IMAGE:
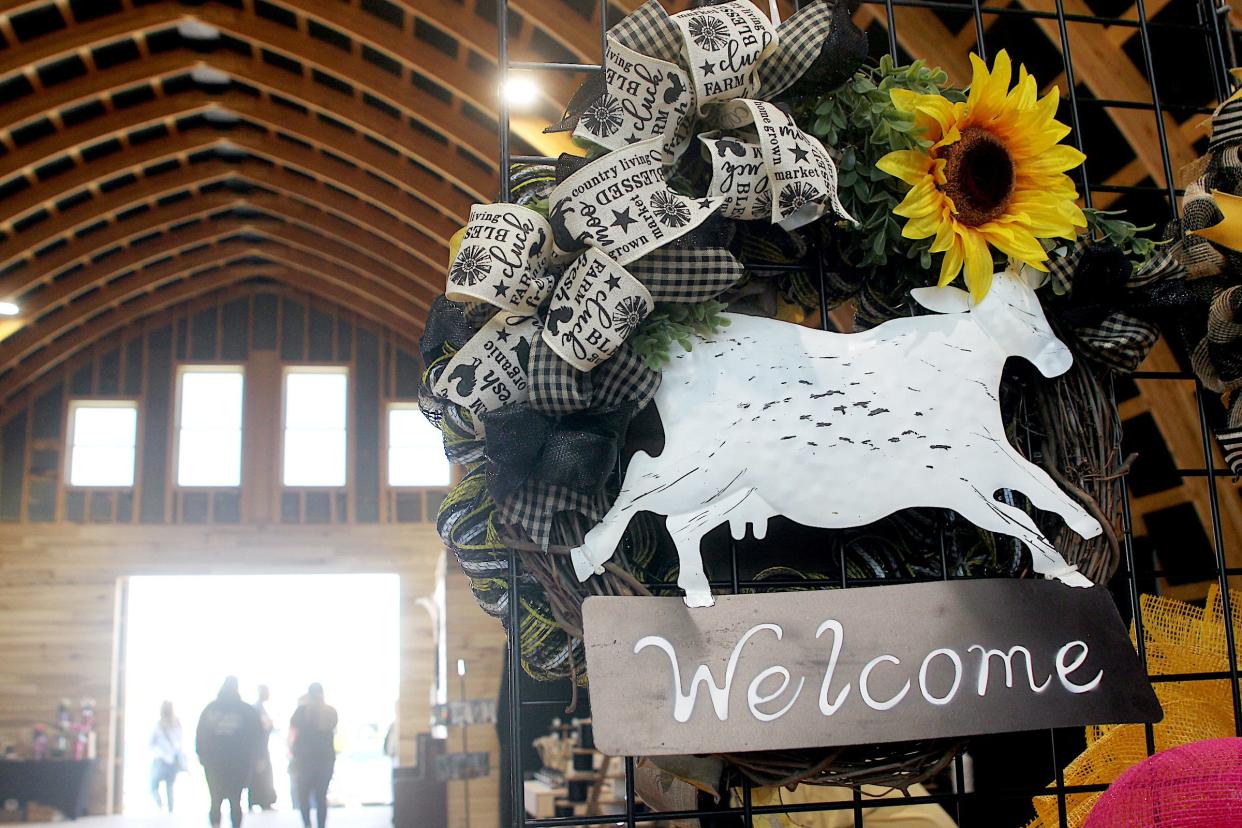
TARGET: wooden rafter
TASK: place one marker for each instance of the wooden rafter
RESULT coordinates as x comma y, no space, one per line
179,146
373,129
188,230
189,182
143,274
419,282
364,77
113,318
173,113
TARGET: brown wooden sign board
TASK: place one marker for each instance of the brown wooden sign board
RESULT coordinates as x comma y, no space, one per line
858,666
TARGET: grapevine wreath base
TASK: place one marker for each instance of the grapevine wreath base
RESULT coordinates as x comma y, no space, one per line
543,397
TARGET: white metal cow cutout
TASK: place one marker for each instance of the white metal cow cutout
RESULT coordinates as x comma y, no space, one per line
835,430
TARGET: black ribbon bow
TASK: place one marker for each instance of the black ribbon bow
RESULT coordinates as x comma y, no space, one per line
577,451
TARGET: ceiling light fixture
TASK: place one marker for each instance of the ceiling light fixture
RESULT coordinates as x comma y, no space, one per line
209,75
194,29
9,309
520,90
227,149
220,115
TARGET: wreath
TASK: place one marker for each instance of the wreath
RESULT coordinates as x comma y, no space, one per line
734,163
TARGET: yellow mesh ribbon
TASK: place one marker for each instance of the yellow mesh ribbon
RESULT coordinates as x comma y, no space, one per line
1180,638
900,816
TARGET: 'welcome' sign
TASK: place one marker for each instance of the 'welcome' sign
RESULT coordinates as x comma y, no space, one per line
857,666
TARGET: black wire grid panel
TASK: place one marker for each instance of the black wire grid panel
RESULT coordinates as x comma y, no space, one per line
1184,51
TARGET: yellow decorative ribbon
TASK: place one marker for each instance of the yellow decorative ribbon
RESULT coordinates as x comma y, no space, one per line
1228,231
1180,638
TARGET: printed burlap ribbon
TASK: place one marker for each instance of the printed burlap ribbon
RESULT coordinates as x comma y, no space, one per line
668,78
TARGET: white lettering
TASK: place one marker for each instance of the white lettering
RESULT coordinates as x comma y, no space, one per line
1063,669
866,693
985,661
838,638
957,675
684,705
753,699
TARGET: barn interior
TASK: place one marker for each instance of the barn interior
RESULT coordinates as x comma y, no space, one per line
222,223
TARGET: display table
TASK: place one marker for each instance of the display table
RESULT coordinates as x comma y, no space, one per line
62,784
541,798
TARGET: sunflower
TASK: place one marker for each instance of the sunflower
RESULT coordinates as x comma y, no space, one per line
993,175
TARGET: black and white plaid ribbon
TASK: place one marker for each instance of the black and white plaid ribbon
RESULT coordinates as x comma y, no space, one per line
1111,310
1216,275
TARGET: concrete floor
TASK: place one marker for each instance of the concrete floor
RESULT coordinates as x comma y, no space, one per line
371,817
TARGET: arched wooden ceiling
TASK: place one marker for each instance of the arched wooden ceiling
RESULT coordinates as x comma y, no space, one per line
156,149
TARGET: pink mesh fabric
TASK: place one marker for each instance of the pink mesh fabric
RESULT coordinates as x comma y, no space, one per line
1198,785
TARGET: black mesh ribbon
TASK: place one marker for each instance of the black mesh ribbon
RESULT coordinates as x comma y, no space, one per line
819,47
577,452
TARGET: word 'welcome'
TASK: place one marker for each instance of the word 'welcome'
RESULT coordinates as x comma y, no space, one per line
1068,659
857,666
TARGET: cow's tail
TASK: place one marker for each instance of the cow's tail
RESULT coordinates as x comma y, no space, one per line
599,544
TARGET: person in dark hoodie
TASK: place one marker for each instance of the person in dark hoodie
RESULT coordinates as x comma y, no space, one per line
228,742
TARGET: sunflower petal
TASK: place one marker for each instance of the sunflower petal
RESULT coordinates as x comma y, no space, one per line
944,236
978,83
922,200
998,83
904,99
911,166
951,264
978,265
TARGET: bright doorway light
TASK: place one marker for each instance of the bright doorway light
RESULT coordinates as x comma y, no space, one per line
521,90
184,634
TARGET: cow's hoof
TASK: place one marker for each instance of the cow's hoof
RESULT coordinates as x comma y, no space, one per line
1087,526
584,567
1070,576
695,598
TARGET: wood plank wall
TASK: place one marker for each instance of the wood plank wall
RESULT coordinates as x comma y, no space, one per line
478,638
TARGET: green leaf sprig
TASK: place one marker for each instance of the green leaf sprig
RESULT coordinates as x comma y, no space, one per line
676,323
860,121
1104,224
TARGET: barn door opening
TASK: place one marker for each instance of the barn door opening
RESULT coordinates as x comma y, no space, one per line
184,634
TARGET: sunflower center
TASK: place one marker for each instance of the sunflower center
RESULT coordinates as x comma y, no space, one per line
979,175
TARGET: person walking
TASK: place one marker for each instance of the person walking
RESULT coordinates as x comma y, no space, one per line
228,740
167,758
262,790
313,729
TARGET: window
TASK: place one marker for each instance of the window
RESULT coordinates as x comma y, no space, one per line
209,426
315,417
415,449
102,436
